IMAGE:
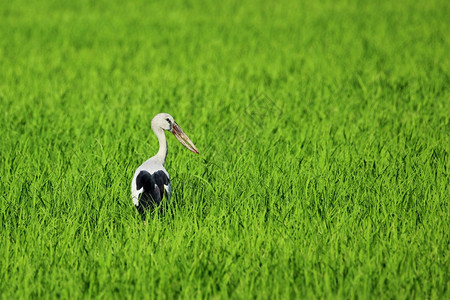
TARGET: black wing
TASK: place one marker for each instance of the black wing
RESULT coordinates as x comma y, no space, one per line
153,192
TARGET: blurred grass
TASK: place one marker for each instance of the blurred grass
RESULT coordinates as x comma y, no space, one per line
323,130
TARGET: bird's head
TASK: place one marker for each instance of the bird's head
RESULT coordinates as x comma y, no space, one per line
165,121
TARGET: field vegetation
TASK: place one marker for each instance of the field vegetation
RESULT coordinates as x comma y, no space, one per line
324,136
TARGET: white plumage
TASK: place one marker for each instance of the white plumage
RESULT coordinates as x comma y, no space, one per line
151,181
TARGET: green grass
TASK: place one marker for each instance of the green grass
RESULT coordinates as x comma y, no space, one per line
324,136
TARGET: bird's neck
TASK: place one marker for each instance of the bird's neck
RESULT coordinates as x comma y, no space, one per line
162,152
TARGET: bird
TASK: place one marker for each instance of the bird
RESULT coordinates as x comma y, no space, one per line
151,181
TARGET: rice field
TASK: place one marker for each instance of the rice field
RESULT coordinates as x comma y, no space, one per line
324,136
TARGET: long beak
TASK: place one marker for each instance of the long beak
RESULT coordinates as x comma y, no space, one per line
183,138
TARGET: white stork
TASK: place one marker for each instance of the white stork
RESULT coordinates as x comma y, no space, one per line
151,180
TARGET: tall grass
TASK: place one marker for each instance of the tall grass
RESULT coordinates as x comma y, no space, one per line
323,131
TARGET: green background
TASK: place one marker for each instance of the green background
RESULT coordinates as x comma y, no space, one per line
323,130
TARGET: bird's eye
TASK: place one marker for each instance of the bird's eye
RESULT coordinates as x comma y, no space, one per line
168,120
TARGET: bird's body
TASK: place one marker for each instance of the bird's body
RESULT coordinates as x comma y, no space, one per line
151,181
150,184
